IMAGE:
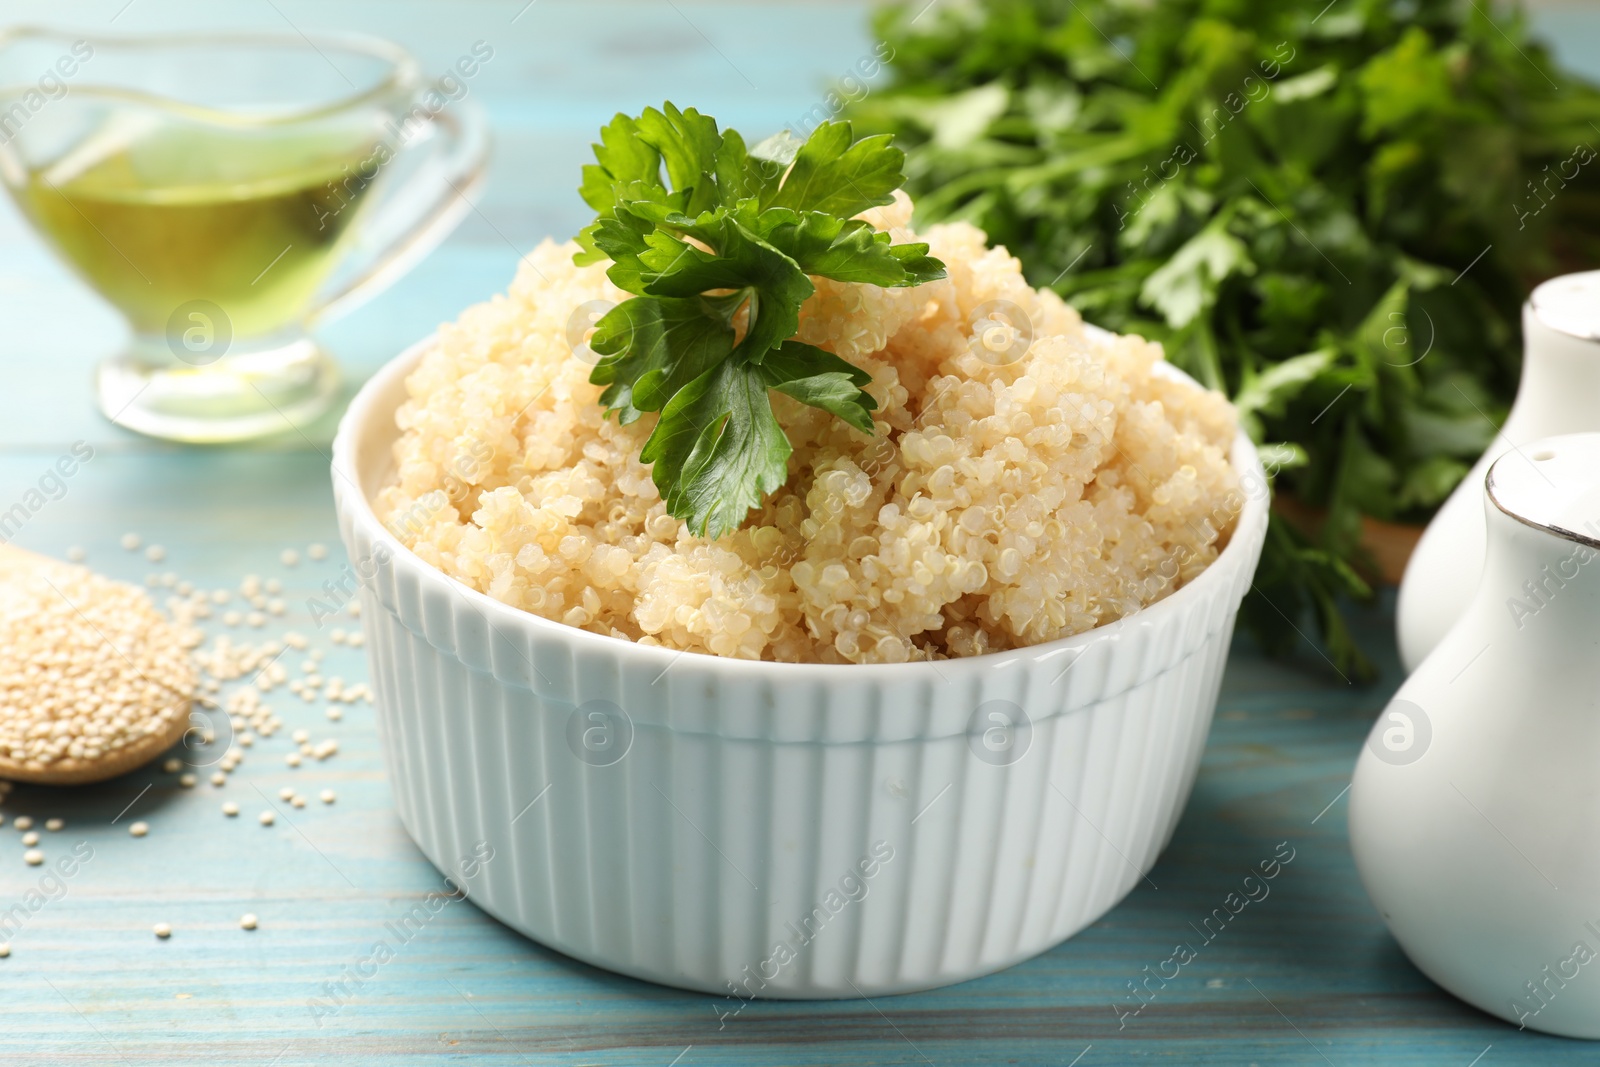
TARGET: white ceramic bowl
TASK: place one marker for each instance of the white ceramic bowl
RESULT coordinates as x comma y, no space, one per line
771,829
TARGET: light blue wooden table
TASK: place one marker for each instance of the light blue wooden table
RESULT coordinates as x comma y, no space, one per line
1307,976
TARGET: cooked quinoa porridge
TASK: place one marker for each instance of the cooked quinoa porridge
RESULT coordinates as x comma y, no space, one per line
1017,490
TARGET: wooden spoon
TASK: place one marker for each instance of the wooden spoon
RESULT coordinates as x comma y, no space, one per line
93,680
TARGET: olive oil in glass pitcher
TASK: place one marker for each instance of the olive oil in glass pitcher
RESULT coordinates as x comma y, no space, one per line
215,189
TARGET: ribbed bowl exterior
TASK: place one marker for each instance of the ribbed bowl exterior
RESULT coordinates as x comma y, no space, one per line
779,830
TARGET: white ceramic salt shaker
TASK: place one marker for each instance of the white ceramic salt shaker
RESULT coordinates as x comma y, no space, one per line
1475,808
1559,393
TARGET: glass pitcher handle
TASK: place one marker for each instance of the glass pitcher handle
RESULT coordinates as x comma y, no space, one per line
417,217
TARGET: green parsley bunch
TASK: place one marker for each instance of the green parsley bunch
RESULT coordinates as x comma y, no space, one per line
718,243
1331,211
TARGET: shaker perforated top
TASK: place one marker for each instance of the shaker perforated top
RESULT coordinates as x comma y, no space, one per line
1552,484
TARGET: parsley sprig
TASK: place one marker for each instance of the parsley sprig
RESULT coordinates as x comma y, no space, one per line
718,243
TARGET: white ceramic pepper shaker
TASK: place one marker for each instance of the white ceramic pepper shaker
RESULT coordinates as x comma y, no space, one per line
1475,812
1559,393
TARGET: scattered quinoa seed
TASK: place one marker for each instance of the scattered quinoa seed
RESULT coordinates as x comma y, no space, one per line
292,759
289,557
5,949
219,779
53,825
298,801
317,551
163,930
248,920
335,714
33,857
155,553
187,780
230,809
327,796
130,541
30,838
76,554
286,792
24,822
139,829
172,766
267,818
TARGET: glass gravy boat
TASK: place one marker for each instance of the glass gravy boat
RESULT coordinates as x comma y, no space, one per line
225,192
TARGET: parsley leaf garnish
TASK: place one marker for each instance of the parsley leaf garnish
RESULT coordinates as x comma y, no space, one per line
718,244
